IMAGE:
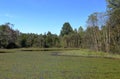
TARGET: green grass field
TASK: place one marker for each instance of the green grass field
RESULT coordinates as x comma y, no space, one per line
73,64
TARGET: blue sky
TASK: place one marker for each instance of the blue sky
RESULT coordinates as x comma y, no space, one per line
40,16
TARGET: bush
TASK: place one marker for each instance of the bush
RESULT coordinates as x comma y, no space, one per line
12,45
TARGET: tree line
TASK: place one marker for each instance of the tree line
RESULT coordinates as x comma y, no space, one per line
102,33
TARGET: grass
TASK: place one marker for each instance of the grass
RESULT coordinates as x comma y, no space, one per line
66,65
7,51
89,53
48,49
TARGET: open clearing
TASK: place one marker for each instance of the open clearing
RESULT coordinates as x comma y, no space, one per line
49,65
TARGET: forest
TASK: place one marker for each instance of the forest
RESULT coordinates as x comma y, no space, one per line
102,34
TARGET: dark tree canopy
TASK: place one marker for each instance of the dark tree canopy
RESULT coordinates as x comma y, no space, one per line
7,35
66,29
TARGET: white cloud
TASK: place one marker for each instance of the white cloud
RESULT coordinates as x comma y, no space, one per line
7,15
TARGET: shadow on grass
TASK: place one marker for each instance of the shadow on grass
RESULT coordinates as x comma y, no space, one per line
87,56
6,51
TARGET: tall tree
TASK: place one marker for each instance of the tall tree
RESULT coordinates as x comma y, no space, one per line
66,29
81,34
93,23
7,35
114,24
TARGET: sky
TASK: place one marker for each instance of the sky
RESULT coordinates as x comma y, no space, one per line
40,16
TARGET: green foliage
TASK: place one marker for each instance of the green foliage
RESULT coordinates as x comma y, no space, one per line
114,25
7,35
42,41
113,5
92,20
66,29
